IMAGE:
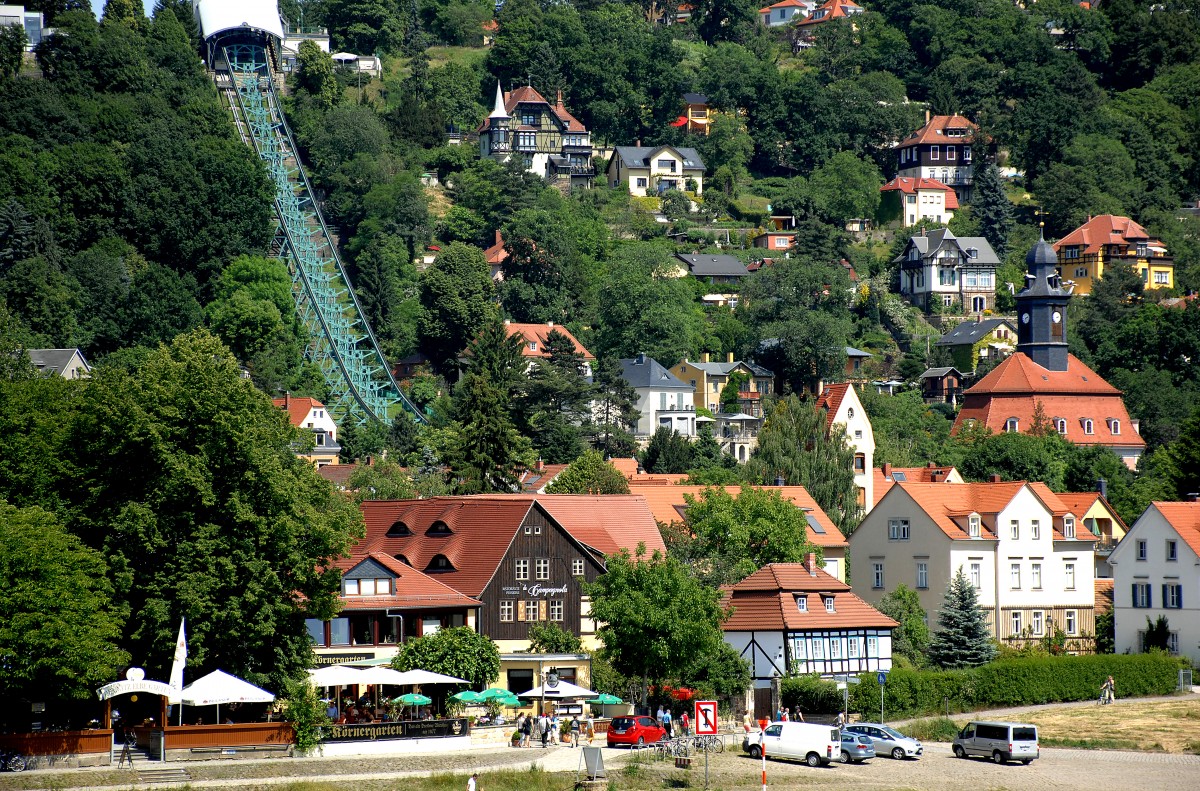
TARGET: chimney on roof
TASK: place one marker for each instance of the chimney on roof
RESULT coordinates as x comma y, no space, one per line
926,115
549,323
887,469
637,143
930,465
498,239
640,359
993,478
1102,487
539,465
728,357
705,356
507,322
558,100
779,480
936,476
810,563
640,469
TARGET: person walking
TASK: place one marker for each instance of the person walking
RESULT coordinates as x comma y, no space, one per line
471,784
685,723
575,725
555,727
746,722
841,720
658,717
544,721
666,723
591,726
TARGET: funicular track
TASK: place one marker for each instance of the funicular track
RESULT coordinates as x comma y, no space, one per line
340,341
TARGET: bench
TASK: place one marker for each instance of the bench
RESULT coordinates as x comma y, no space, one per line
252,748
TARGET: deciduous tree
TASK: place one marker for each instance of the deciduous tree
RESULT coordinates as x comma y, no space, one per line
589,474
460,652
911,639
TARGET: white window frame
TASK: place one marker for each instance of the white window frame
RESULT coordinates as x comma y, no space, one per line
1014,527
829,605
1172,550
541,568
872,646
973,523
507,611
877,568
975,574
922,574
1014,580
1172,596
802,603
521,569
556,610
577,567
1012,426
1038,622
1071,621
1035,576
1142,596
934,153
852,647
349,587
835,648
1069,576
1069,527
1035,528
1089,427
1017,622
899,529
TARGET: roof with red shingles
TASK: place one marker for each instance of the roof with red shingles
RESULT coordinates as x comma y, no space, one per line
1184,518
836,9
1101,231
537,333
1080,503
949,506
782,4
497,253
297,407
608,523
412,588
526,94
767,601
831,399
934,131
1104,594
667,504
911,186
926,474
1015,386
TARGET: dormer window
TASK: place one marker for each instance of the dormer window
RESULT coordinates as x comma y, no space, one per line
1060,425
1069,526
402,559
533,346
1012,426
439,563
439,528
398,529
829,604
802,603
973,526
1088,427
1114,425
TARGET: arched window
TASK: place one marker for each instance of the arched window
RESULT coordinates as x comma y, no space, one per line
439,563
1088,427
397,529
1012,425
973,526
439,528
1060,425
1114,425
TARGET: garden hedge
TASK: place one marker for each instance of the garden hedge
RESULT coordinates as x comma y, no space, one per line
1015,682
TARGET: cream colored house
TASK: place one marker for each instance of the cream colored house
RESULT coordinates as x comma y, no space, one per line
843,408
652,171
1028,556
1156,569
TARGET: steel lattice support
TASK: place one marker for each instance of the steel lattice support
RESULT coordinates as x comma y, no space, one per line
340,341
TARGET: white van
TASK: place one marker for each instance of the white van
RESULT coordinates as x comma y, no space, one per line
816,745
1000,741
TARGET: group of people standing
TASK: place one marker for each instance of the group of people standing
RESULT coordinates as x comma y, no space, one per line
667,722
547,729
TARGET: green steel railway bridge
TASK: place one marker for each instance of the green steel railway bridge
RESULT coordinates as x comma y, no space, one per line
242,47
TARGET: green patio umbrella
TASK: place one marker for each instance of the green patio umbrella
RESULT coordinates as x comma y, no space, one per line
493,692
508,699
466,696
605,699
413,699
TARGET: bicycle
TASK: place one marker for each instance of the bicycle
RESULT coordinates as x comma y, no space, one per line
11,761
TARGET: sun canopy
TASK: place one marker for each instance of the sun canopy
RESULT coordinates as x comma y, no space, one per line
561,691
217,16
219,687
345,56
335,676
426,677
381,675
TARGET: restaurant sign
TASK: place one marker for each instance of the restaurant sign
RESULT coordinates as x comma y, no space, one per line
535,590
417,729
341,659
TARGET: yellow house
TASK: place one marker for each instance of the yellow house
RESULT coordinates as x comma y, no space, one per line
1098,516
1085,251
709,379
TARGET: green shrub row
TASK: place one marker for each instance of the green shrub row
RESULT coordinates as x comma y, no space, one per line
1015,682
811,695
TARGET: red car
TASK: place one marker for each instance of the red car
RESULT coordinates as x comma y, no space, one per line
634,730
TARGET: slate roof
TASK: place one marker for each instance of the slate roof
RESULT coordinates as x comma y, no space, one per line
640,156
667,504
709,265
723,368
1101,230
910,186
412,589
852,352
929,243
971,332
645,371
767,601
934,131
938,373
694,98
55,360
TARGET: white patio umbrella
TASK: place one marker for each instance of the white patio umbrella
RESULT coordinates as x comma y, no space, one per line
345,57
336,676
564,690
426,677
219,687
381,675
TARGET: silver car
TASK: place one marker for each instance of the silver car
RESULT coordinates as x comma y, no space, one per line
888,741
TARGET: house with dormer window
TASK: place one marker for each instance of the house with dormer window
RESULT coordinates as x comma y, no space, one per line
544,137
648,172
829,11
1105,239
795,618
1021,548
785,12
1156,572
309,414
941,150
939,269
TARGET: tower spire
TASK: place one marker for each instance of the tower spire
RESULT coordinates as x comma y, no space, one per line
498,110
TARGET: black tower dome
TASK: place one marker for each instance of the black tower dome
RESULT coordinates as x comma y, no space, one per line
1042,310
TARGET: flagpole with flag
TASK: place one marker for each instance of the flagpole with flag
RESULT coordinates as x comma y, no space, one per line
176,681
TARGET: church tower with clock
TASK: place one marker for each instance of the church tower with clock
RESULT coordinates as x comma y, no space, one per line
1042,310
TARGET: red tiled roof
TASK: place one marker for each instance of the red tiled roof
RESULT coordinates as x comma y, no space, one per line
830,400
934,131
1079,503
527,95
413,589
496,254
1185,518
1104,229
666,503
1104,594
337,474
910,186
297,407
606,522
782,4
1059,507
766,600
535,479
949,506
1015,386
910,474
836,8
538,333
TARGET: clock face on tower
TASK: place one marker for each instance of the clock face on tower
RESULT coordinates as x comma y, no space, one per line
1024,318
1056,317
